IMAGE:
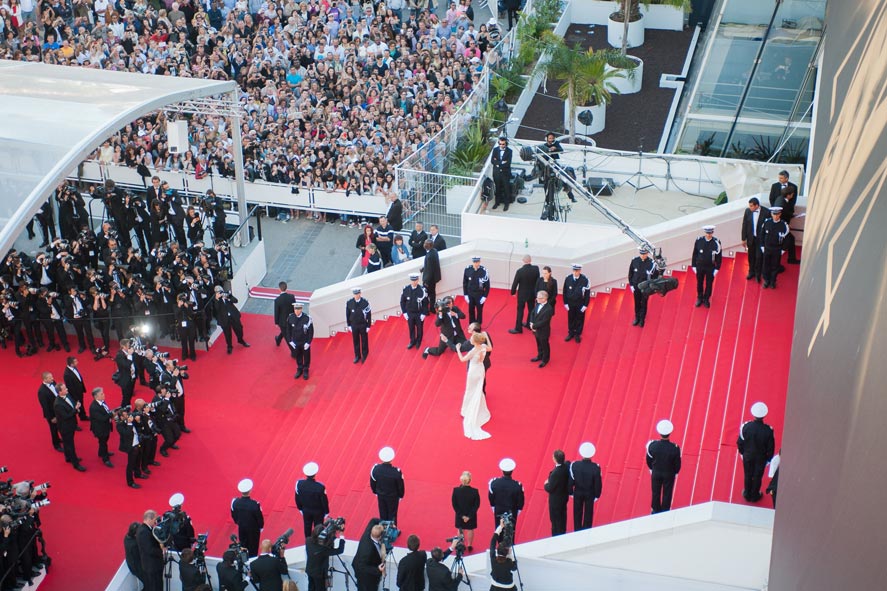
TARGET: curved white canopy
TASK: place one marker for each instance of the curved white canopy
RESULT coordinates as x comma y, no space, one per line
52,117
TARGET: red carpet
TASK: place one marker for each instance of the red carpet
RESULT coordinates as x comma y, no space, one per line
702,368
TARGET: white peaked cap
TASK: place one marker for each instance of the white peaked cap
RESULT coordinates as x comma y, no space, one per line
507,465
586,450
245,485
176,500
386,454
310,469
664,427
759,410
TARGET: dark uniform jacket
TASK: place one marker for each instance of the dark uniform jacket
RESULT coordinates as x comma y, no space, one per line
99,419
706,254
773,233
387,481
299,329
411,571
585,479
663,457
558,485
640,270
576,291
414,300
501,160
476,282
431,270
283,307
358,313
268,571
247,514
506,494
756,440
524,283
311,497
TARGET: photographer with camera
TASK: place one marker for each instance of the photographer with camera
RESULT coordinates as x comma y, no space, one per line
166,419
230,577
100,420
130,444
318,550
441,578
148,432
502,562
228,317
50,313
66,418
185,326
411,568
189,574
125,376
247,514
451,333
268,569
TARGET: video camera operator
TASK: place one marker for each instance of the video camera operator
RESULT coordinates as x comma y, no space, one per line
319,548
230,579
20,529
268,569
189,574
440,578
369,559
502,563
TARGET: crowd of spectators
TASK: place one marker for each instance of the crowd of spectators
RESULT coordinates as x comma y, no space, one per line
335,93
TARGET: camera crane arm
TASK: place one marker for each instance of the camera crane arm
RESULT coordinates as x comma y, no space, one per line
529,153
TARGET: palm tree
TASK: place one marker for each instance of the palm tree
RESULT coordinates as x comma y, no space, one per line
585,78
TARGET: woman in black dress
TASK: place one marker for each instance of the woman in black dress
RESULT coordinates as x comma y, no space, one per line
466,502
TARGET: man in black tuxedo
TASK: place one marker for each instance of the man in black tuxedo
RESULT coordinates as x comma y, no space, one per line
283,305
228,317
267,570
524,285
540,324
417,241
46,395
752,222
501,161
154,190
77,313
66,419
437,241
100,423
369,559
431,271
784,194
411,568
126,371
777,187
451,333
130,444
557,487
151,553
76,388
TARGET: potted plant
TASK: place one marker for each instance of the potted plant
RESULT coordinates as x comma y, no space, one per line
629,70
625,27
586,83
666,14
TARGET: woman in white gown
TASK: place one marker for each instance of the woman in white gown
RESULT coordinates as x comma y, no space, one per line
474,404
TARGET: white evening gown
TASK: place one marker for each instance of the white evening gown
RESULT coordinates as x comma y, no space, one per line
474,404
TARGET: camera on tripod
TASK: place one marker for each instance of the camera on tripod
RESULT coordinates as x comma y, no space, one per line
390,533
328,534
241,555
459,545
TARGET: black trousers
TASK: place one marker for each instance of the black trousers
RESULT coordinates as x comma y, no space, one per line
640,304
442,346
501,183
55,327
583,511
417,328
317,583
234,325
543,348
754,473
303,357
475,309
133,464
68,445
788,245
310,521
755,258
127,389
521,305
388,508
575,320
361,341
83,328
367,583
705,279
54,433
663,487
103,447
557,513
431,288
249,539
187,335
149,452
770,265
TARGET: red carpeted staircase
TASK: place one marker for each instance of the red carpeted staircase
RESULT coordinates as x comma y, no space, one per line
700,367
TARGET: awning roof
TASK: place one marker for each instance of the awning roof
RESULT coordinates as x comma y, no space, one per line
52,117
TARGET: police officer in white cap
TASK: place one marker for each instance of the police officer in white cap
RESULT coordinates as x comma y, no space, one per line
386,482
705,262
414,306
311,498
642,268
577,293
247,514
585,487
506,494
184,536
773,233
757,445
359,318
664,462
299,332
475,289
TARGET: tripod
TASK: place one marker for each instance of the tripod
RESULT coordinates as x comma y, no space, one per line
344,571
459,565
552,210
520,580
390,564
639,176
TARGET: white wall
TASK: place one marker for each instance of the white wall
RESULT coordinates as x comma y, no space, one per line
597,12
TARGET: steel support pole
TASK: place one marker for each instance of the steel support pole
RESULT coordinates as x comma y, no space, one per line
237,139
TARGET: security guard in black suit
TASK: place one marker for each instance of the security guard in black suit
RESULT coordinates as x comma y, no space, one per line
386,482
100,423
642,268
506,495
475,289
299,334
311,498
359,319
706,262
247,514
757,445
501,161
664,462
577,293
585,487
283,304
414,305
773,234
558,488
752,222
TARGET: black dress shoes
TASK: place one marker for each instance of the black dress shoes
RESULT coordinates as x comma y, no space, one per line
577,338
410,346
245,344
636,322
707,304
298,375
108,463
134,485
356,359
569,337
514,331
230,349
543,364
305,375
534,359
277,340
79,468
698,302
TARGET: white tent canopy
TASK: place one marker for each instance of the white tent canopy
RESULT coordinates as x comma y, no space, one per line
55,116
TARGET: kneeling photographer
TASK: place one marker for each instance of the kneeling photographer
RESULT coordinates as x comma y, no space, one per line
319,548
502,562
440,577
268,569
